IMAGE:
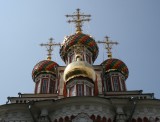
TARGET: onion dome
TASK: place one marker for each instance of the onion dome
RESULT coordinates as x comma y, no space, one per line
79,68
79,38
115,65
45,66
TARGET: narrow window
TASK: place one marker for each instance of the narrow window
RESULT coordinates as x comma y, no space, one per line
139,120
80,91
123,85
115,80
52,87
108,83
104,119
88,91
44,86
61,119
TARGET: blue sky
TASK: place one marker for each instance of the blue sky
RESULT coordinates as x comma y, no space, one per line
135,24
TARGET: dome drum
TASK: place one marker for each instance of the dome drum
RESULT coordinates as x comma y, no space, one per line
79,79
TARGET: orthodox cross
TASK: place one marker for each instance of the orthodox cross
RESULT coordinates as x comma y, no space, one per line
108,45
78,18
49,47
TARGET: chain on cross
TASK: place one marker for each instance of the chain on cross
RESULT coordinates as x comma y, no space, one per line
108,45
49,47
78,18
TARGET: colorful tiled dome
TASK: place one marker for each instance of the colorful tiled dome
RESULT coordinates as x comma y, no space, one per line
115,65
79,38
45,66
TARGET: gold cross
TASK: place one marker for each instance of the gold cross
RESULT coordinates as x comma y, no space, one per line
78,19
108,45
49,47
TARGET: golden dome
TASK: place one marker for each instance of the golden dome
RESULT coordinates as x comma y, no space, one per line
79,68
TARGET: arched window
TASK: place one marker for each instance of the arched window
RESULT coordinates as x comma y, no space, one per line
145,119
139,120
66,119
133,120
52,87
157,119
123,85
80,87
80,90
60,119
88,90
72,117
115,80
104,119
92,117
109,120
108,83
44,86
98,119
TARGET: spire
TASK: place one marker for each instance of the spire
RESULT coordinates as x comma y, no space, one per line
49,47
108,45
78,18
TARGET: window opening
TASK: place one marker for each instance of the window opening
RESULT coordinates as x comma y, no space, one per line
115,83
52,87
80,91
88,91
44,85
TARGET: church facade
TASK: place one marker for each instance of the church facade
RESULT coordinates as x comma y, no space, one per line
81,91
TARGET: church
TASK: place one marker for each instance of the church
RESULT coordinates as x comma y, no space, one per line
81,91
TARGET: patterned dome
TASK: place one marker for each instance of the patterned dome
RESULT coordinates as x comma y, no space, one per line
116,65
45,66
79,38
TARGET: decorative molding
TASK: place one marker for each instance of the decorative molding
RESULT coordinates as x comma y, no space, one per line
82,117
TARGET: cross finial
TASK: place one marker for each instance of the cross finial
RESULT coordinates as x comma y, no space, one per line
49,47
108,45
78,18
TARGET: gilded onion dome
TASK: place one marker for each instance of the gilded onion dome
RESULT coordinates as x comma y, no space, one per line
77,69
115,65
79,38
45,66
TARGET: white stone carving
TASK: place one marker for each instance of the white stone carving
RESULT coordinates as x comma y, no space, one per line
82,117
